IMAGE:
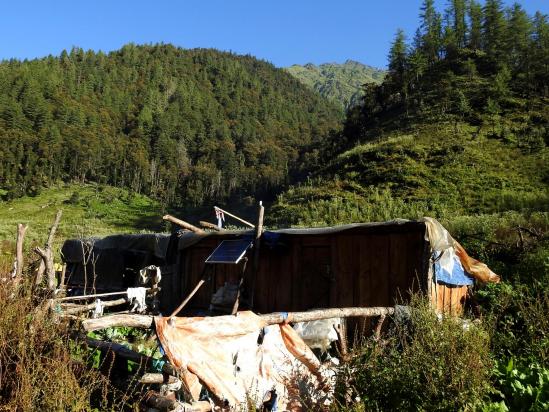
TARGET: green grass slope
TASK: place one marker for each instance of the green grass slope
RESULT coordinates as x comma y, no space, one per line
338,82
88,210
433,169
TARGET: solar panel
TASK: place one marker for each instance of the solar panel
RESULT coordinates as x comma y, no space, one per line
230,251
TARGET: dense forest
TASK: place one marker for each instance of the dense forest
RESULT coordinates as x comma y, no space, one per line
342,83
183,126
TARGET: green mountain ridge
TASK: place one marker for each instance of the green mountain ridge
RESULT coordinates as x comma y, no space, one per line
338,82
183,126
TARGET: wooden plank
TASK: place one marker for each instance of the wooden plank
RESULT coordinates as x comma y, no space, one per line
347,250
380,267
398,276
440,289
447,299
295,262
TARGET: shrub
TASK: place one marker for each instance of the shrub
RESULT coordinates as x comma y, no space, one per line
426,363
37,370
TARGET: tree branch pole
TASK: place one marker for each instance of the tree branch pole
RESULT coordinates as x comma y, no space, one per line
91,306
209,225
96,295
235,217
257,244
183,224
146,321
46,254
21,229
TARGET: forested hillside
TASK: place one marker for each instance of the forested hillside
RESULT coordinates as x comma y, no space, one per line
338,82
183,126
460,125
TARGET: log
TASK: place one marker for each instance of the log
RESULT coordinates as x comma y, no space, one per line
124,352
183,224
129,320
293,317
209,225
157,378
21,229
163,403
91,306
146,321
235,217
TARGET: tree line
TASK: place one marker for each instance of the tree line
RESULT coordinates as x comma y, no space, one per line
469,61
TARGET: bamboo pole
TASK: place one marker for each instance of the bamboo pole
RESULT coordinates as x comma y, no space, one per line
183,224
235,217
146,321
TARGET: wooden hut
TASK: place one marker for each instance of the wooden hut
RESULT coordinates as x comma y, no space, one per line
364,265
371,264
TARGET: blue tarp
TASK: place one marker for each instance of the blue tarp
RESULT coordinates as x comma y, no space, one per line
451,274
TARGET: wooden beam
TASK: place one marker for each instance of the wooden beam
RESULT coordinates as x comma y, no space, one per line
165,404
183,224
146,321
235,217
209,225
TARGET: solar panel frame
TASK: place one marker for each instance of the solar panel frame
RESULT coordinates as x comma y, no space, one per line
229,252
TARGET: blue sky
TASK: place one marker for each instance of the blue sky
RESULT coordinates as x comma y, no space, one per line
283,32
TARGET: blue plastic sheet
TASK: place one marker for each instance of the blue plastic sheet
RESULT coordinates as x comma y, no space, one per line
451,275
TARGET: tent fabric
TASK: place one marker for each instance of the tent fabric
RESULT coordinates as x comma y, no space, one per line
441,241
153,243
240,359
187,239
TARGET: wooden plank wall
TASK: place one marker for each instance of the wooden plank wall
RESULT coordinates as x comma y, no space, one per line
365,266
448,299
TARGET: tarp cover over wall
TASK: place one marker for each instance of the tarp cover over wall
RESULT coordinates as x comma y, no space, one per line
453,265
240,359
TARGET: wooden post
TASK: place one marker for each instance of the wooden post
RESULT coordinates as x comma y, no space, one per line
183,224
21,229
47,256
257,244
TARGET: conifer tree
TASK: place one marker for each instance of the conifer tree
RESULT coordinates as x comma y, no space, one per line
398,62
493,28
431,31
475,25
